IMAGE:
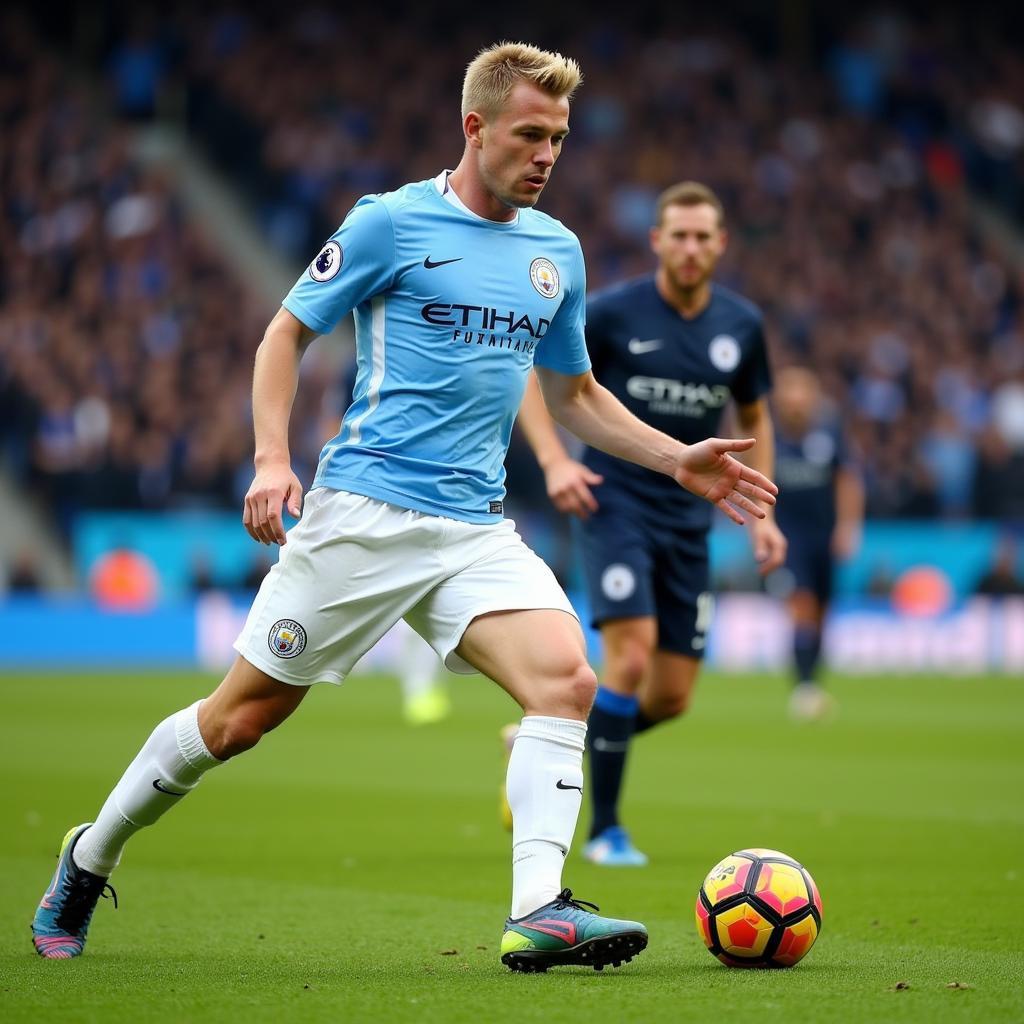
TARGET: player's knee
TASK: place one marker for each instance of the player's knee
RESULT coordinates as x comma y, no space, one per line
576,689
630,665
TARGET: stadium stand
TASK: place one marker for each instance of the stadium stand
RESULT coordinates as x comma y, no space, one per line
849,158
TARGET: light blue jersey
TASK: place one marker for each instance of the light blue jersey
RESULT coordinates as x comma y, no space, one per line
451,312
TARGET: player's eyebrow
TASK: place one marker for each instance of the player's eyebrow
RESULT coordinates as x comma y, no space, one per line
540,128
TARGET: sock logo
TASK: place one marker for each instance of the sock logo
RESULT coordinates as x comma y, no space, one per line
560,784
158,785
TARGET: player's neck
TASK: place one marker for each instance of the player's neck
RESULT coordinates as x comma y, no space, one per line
687,302
476,197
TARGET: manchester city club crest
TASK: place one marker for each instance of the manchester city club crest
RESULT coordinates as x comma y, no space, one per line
544,277
328,263
287,638
724,352
618,582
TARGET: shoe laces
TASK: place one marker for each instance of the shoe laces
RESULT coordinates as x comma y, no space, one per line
82,890
566,899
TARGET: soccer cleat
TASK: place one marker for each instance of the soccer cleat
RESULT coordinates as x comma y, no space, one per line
810,703
62,918
613,848
428,707
508,739
564,932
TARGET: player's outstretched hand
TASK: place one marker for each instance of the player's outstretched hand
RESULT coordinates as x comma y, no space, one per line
568,483
275,484
709,471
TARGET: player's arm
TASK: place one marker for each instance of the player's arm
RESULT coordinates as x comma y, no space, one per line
275,378
849,512
767,540
598,418
568,481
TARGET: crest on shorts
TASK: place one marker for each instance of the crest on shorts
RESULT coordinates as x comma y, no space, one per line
724,352
544,277
328,263
618,582
287,638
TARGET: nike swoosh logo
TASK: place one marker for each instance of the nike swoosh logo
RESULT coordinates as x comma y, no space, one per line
638,347
170,792
431,264
561,785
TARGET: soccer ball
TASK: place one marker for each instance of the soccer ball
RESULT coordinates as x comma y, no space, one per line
758,908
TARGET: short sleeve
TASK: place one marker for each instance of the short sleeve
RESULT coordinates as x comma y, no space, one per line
356,263
598,332
754,379
564,348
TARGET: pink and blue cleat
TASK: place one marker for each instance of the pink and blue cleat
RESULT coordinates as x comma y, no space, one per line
62,918
565,931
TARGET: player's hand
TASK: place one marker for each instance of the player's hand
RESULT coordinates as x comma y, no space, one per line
709,471
769,544
845,540
569,484
274,485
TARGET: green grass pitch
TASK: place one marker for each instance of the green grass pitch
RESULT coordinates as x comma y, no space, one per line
351,868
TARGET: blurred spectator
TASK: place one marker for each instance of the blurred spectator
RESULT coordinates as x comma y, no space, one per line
24,577
1004,577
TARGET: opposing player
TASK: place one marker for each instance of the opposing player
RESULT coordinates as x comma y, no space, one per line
675,349
458,288
821,511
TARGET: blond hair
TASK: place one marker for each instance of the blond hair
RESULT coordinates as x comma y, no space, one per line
689,193
493,72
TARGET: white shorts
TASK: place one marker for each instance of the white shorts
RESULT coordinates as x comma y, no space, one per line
353,566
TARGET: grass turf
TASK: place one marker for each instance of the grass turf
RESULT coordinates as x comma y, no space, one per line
352,868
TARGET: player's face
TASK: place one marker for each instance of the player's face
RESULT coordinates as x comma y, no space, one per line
795,397
688,243
519,146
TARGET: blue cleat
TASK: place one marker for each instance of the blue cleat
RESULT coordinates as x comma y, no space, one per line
612,848
62,919
563,932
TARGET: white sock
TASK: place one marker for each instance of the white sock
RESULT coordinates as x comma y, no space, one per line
545,790
169,766
418,665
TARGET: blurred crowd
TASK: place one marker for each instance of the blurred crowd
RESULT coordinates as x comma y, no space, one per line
849,157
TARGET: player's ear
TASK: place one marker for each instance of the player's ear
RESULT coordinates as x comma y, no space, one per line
723,240
654,237
472,128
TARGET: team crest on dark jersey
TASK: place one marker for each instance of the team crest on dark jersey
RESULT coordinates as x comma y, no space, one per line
544,277
287,639
328,263
724,352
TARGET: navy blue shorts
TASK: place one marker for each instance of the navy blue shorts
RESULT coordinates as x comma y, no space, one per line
631,570
810,565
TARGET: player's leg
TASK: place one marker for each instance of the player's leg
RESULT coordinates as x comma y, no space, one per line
424,697
667,691
619,570
179,751
811,572
539,658
502,613
629,645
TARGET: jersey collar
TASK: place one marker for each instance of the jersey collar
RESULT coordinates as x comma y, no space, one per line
448,194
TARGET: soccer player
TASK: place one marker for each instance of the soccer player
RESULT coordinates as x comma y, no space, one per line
675,349
821,511
459,286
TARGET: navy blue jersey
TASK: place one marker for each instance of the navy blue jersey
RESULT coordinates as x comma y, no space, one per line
675,374
805,470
